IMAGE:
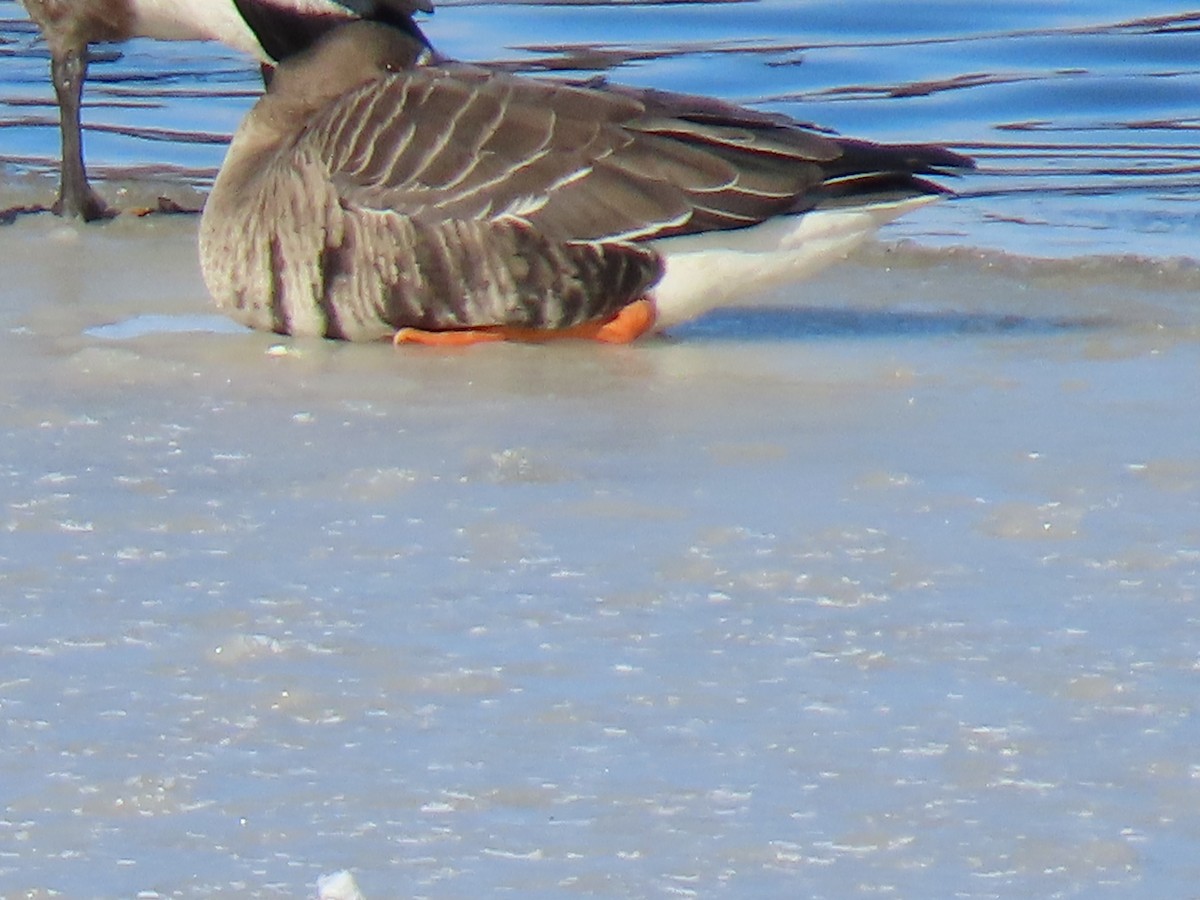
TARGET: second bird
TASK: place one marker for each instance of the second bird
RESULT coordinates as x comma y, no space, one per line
268,30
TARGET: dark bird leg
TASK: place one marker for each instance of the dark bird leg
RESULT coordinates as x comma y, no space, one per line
76,199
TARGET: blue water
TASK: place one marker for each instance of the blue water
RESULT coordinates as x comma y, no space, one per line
890,589
1082,115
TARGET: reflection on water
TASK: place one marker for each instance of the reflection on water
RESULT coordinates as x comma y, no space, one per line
1082,116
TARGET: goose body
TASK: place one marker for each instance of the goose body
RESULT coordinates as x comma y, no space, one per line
365,196
267,30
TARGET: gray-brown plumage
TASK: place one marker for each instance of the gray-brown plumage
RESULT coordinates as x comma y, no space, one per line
365,194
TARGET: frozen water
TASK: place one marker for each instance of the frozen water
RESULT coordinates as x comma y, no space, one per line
889,587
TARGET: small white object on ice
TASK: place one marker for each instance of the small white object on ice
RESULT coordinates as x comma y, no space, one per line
338,886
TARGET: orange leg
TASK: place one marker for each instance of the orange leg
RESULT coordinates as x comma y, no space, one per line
630,323
464,337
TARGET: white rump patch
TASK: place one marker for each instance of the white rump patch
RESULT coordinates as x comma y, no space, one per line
730,268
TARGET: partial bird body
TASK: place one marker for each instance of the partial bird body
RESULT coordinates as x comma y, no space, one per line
267,30
367,195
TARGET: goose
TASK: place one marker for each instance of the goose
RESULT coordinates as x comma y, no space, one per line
372,194
268,30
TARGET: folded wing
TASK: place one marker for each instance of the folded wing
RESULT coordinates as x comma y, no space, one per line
584,163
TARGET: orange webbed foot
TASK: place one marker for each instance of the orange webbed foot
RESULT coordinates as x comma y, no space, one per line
458,338
630,323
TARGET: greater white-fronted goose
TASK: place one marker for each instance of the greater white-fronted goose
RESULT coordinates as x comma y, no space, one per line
268,30
366,197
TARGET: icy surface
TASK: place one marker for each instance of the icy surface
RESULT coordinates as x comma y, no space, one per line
889,588
338,886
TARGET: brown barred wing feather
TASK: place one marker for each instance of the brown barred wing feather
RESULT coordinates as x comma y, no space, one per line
463,143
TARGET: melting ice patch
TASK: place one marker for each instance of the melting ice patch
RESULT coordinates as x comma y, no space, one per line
142,326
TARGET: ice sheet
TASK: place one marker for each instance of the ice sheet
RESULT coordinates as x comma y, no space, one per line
891,585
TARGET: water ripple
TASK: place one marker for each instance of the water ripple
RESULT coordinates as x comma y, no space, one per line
1079,116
